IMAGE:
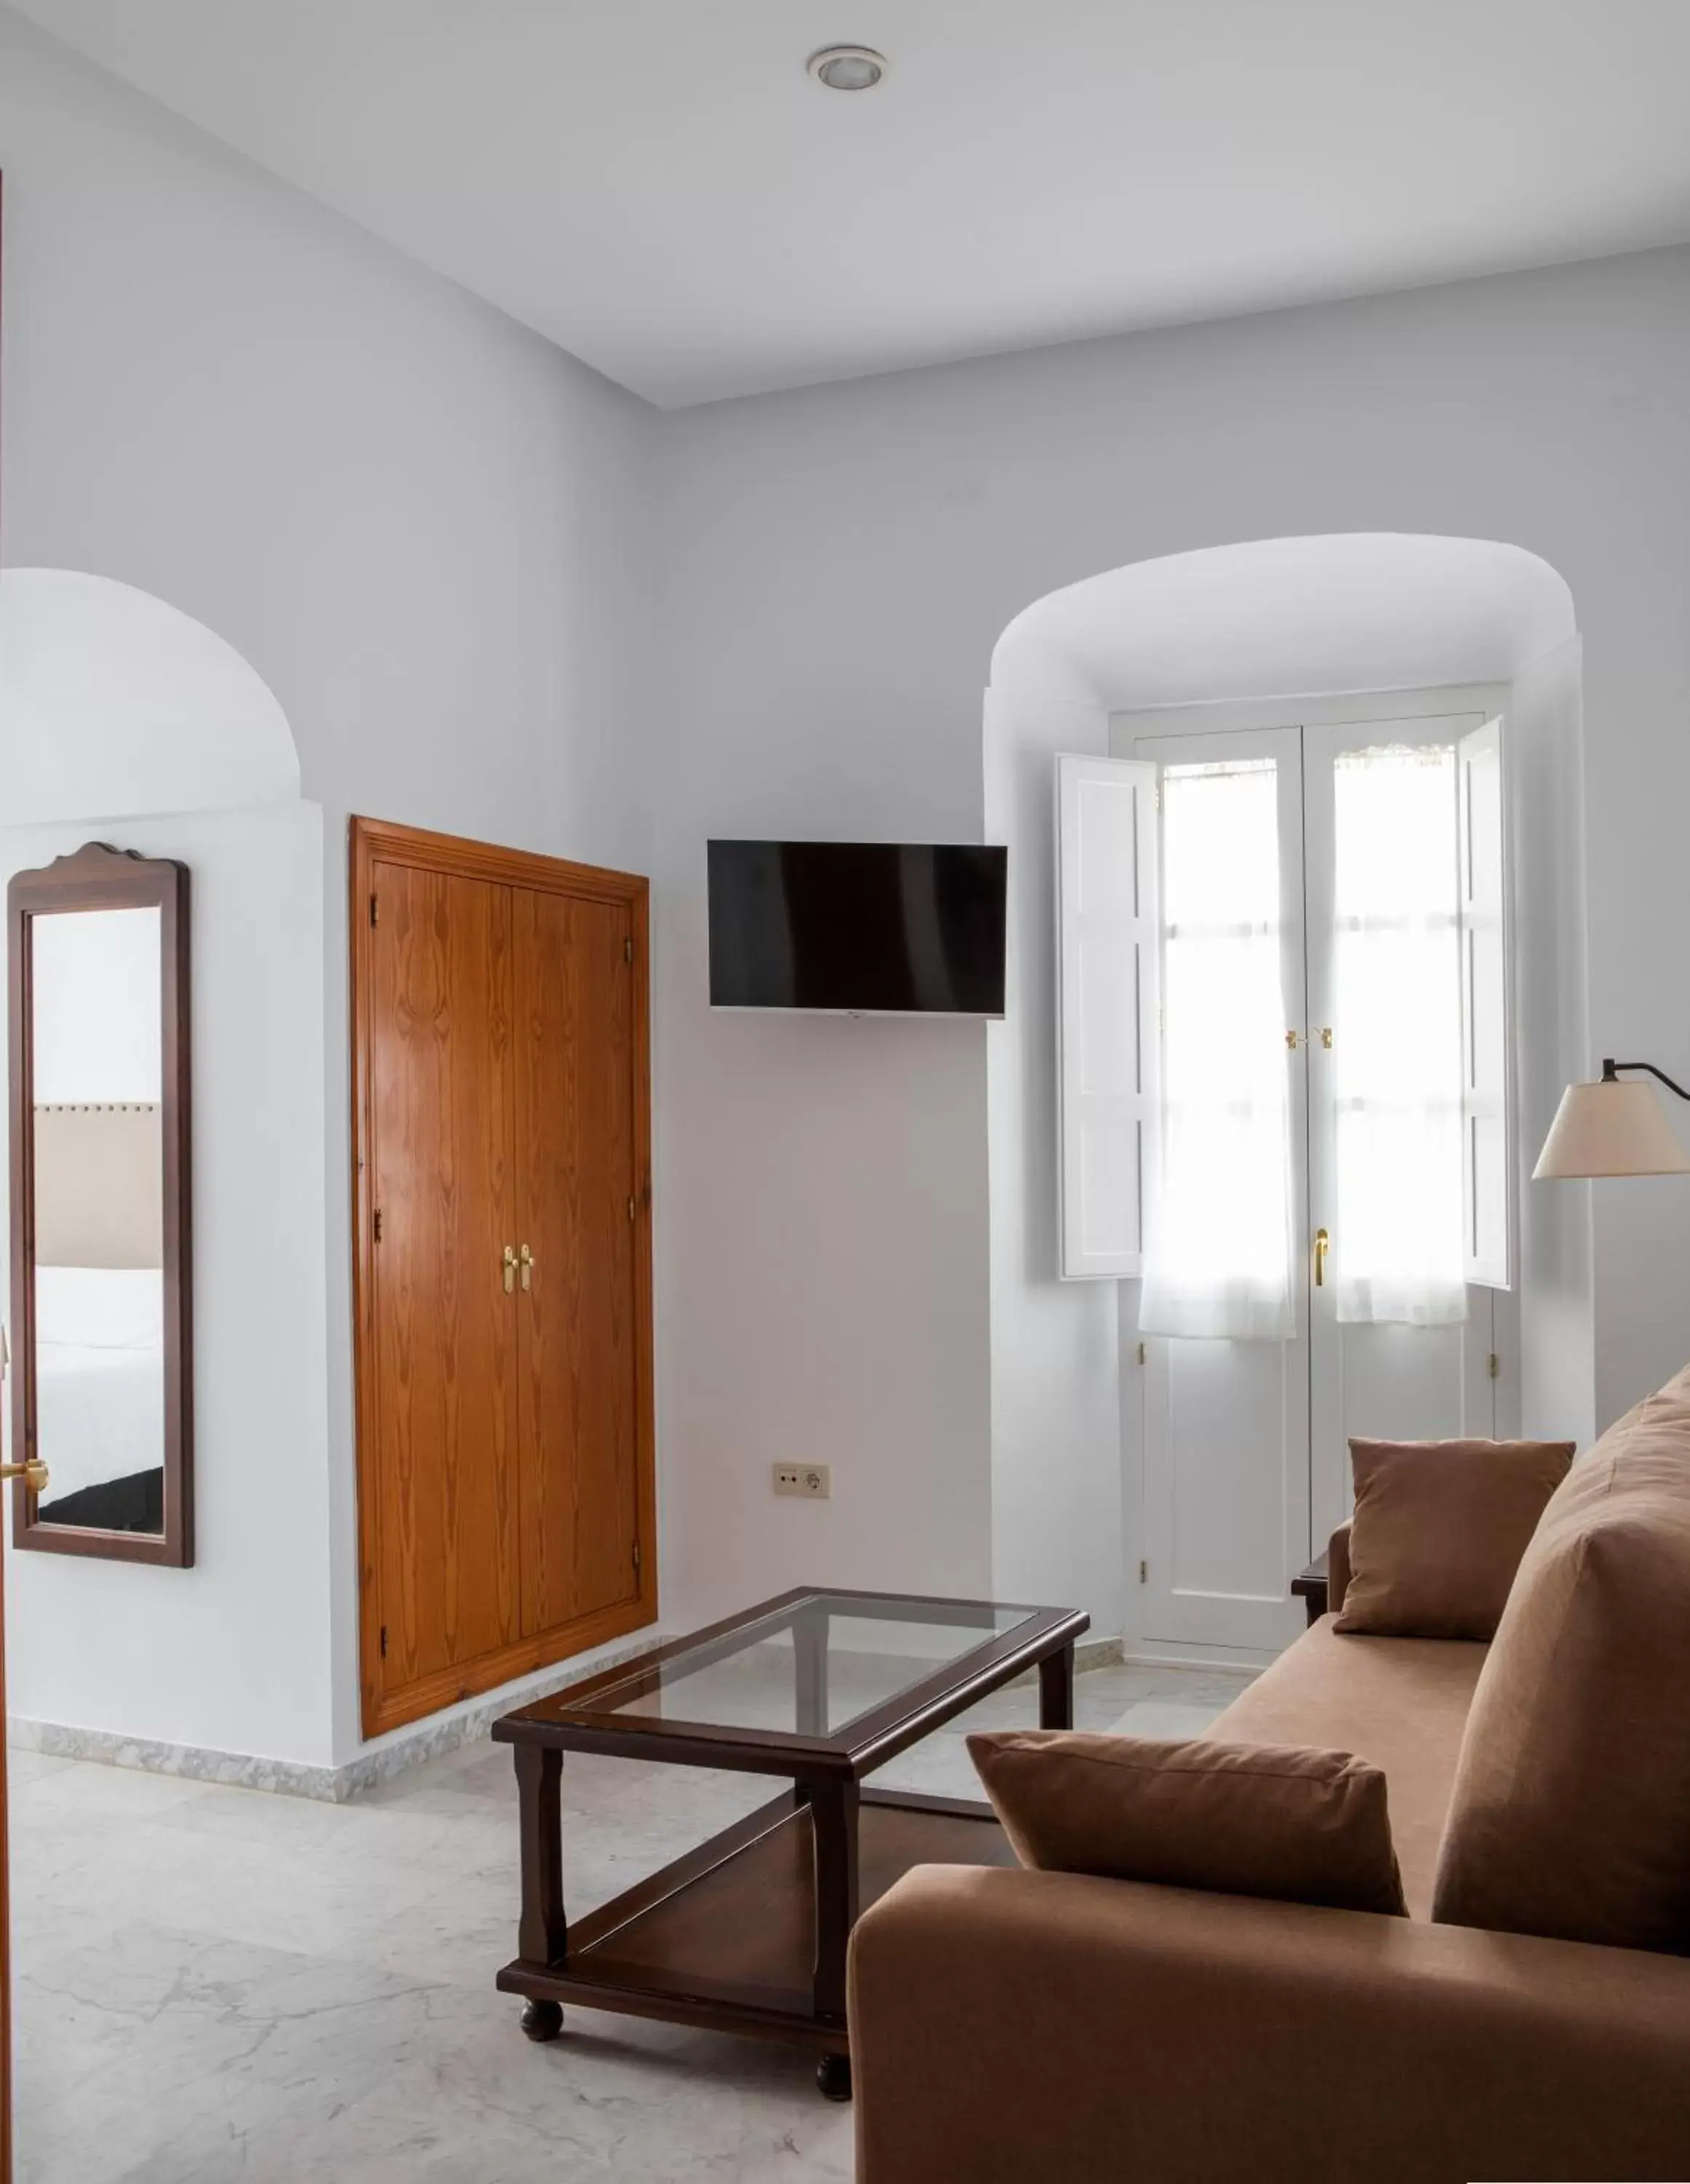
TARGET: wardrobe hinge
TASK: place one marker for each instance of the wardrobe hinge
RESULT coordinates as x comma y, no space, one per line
637,1554
375,911
631,1209
1144,1573
1143,1355
384,1641
1495,1365
378,1224
627,950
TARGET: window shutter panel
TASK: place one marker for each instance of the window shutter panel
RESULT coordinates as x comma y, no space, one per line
1484,1009
1108,1011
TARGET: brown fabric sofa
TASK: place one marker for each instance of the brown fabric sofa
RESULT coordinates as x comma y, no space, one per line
1018,2027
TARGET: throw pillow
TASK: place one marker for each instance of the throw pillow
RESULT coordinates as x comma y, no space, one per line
1438,1531
1302,1826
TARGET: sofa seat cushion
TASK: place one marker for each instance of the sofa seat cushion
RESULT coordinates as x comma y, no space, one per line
1400,1703
1570,1815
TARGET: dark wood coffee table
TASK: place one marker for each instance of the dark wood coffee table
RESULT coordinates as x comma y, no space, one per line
748,1932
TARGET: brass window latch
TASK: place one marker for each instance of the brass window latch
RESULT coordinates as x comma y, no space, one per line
1322,1242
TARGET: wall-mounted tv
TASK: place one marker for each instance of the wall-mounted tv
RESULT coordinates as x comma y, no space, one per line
864,928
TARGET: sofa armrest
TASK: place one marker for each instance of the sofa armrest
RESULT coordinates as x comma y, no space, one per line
1008,2026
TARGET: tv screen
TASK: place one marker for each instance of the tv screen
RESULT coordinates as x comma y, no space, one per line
894,929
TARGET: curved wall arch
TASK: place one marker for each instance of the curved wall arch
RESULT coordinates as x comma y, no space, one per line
114,704
1345,611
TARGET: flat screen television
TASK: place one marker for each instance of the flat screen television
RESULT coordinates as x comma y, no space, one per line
861,928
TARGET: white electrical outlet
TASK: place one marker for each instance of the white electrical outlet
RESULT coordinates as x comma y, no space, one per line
814,1481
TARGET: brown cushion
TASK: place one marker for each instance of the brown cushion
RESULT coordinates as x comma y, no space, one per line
1304,1827
1571,1811
1438,1531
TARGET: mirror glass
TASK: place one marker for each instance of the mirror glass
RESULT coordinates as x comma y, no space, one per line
96,1015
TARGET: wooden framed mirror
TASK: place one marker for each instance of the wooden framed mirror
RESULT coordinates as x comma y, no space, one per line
102,1293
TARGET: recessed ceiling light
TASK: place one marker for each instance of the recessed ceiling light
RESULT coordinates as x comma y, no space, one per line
848,67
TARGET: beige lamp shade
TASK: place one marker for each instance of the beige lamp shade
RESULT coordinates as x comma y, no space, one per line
1610,1129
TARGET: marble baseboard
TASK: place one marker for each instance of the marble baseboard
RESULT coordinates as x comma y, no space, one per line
1088,1653
396,1754
197,1763
401,1750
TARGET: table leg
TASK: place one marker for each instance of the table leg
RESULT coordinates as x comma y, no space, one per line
810,1670
833,1807
1056,1689
542,1935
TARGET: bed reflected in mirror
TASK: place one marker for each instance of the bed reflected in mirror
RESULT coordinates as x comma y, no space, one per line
99,1200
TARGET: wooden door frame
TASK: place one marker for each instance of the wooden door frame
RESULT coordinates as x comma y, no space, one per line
372,841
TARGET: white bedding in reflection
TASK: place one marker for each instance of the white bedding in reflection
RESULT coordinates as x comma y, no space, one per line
99,1373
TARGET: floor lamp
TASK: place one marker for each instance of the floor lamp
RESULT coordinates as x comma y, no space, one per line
1613,1128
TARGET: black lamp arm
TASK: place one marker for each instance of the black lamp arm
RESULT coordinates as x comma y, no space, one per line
1610,1071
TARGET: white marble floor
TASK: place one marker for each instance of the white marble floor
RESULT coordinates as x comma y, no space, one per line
212,1984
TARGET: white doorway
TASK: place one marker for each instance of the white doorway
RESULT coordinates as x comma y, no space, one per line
1309,864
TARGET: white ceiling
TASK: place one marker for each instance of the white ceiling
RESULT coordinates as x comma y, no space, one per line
659,186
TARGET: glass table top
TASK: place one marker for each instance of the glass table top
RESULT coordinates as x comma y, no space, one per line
807,1665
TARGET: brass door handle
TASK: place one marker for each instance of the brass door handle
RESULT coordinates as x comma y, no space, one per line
527,1259
1321,1242
509,1268
34,1474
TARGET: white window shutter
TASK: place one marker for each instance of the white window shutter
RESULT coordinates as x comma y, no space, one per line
1484,1009
1107,1009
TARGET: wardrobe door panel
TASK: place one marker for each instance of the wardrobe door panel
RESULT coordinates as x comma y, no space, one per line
578,1491
443,1113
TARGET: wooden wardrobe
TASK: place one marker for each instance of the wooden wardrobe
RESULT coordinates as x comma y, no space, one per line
502,1260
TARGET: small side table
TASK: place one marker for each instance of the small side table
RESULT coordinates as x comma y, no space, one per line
1309,1586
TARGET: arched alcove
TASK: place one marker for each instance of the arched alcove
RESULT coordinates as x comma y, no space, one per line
1314,618
123,719
1381,610
114,704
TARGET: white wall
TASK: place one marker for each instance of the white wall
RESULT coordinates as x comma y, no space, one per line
232,1654
840,563
1552,1027
822,1276
425,528
1056,1447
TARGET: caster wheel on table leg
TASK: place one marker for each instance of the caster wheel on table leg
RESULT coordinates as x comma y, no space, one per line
542,2020
833,2076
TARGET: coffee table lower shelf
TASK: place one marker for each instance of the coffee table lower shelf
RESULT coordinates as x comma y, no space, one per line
725,1938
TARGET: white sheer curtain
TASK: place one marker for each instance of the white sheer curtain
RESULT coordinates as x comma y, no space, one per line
1218,1254
1397,1244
